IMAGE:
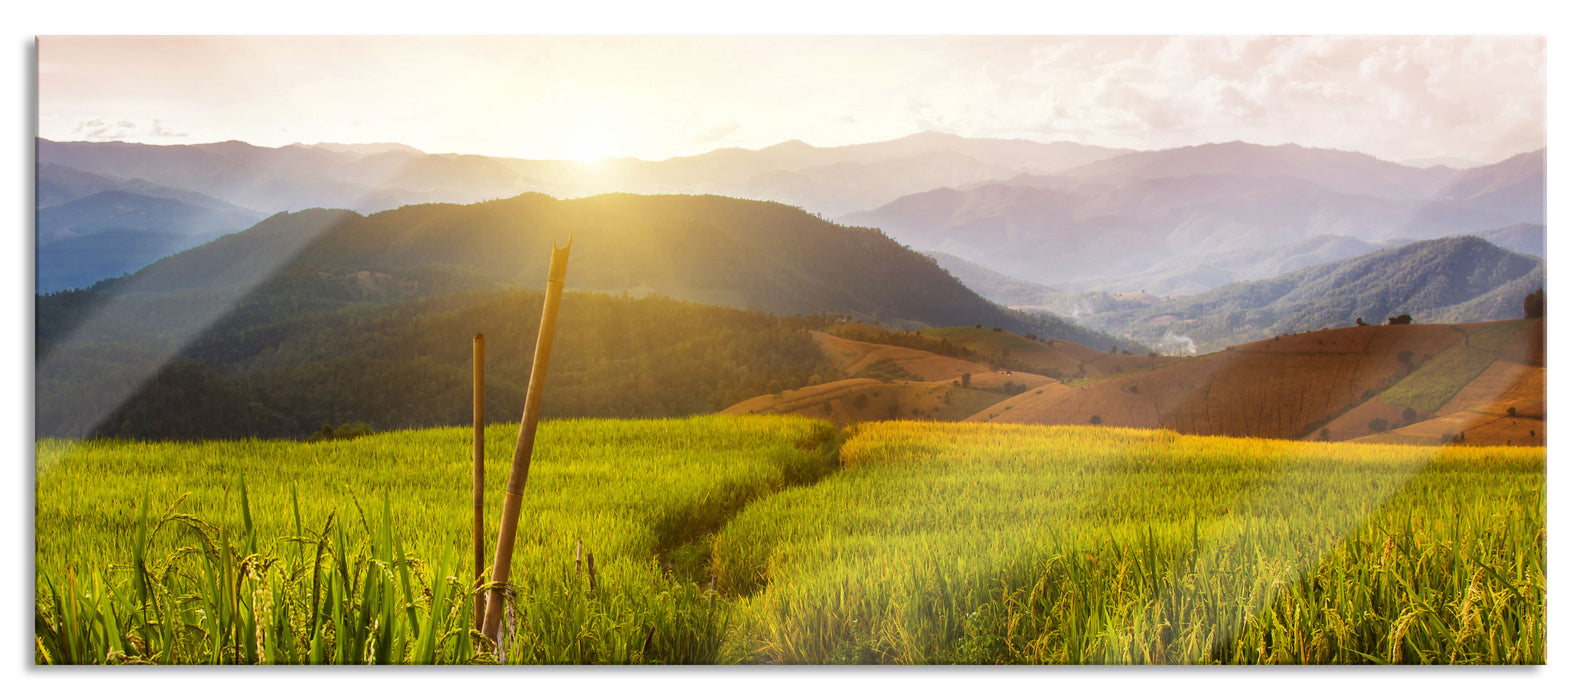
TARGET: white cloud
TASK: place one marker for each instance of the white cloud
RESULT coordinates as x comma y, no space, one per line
717,135
122,130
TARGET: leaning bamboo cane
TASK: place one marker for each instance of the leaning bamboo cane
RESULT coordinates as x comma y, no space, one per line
512,509
477,477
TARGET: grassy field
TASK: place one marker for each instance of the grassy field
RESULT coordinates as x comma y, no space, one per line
194,585
968,543
740,540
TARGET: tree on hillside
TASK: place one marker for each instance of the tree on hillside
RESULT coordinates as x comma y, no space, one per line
966,380
1402,320
1405,356
1533,305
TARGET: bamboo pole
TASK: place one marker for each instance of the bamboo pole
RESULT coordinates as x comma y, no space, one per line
512,508
477,478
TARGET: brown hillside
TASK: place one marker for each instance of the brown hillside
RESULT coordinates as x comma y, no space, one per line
1278,388
1052,357
1467,427
1529,347
854,356
1479,413
937,395
853,400
1516,382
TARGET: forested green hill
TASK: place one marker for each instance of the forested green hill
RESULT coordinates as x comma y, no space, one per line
409,365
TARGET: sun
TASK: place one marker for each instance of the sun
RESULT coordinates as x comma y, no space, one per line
592,144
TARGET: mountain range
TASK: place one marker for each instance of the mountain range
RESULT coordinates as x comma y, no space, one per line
1150,215
745,254
373,177
1072,216
200,321
91,227
231,185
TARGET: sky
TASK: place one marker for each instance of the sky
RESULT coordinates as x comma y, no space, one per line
1456,98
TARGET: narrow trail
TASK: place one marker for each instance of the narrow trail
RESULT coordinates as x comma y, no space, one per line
686,554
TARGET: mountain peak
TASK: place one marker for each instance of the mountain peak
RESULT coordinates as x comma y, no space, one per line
359,148
791,145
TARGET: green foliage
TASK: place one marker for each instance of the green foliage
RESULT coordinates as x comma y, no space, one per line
1533,305
888,370
961,403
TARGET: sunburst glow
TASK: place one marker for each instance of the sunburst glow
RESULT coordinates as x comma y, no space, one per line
592,144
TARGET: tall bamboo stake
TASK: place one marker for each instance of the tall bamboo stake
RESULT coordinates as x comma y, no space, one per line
477,477
512,509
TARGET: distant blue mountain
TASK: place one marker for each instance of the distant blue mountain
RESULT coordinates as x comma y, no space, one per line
1460,279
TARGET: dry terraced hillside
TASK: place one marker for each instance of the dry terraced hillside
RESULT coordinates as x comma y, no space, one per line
1329,384
1478,383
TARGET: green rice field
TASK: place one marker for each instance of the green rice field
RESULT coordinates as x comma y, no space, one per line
750,540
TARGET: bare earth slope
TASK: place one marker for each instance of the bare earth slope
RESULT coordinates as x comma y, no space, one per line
854,356
1283,387
1478,383
1505,404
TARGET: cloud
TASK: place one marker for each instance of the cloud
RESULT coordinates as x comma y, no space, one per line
120,130
1396,97
717,133
98,130
160,130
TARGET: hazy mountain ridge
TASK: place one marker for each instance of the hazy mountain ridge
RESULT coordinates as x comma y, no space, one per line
1139,214
1344,172
751,255
1527,239
296,177
90,227
1449,280
242,179
1060,214
372,177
